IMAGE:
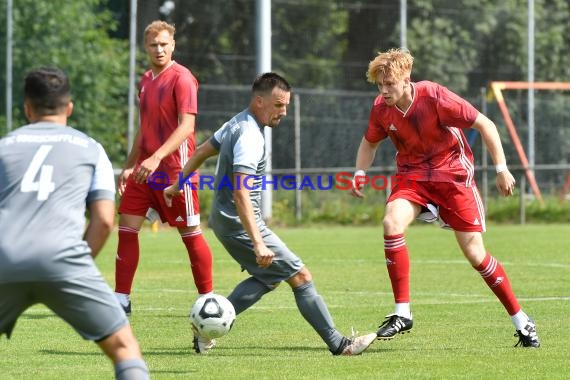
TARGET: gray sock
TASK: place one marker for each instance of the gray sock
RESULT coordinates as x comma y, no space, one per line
131,369
246,293
315,311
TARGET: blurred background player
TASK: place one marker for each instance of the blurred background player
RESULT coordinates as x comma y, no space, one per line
237,222
168,103
424,120
49,174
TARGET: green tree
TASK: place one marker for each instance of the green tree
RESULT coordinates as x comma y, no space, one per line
216,39
372,27
309,41
443,48
74,35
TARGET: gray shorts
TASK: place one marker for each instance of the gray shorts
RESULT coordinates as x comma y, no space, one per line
285,264
87,303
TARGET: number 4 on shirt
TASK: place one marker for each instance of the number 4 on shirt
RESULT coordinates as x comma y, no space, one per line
44,185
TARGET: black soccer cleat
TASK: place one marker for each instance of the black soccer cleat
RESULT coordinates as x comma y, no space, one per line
125,302
527,336
394,324
127,309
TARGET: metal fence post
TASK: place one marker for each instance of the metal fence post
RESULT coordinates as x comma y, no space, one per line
297,121
484,160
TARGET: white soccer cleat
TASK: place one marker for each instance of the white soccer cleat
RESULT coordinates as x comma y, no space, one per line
202,345
358,344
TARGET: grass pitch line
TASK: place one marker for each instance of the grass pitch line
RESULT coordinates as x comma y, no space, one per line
513,264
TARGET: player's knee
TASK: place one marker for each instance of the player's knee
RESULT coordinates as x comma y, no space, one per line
392,225
305,274
121,345
300,278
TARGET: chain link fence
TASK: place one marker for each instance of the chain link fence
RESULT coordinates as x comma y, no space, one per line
331,124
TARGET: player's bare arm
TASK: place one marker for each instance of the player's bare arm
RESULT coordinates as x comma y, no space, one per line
505,181
364,159
186,123
101,220
201,154
264,256
129,164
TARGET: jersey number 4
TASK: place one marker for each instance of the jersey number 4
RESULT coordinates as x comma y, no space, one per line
43,185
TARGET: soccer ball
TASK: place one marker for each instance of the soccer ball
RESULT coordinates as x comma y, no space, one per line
212,316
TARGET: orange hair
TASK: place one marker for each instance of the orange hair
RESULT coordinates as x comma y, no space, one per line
394,63
157,27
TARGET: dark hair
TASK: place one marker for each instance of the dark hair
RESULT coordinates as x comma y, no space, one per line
266,82
47,90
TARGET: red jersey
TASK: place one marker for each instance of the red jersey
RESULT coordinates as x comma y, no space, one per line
162,98
428,136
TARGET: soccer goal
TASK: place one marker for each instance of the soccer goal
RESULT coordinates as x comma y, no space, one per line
498,88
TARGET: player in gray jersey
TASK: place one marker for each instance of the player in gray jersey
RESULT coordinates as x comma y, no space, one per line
49,175
237,221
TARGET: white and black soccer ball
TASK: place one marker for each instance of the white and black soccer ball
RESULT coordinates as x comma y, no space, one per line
213,316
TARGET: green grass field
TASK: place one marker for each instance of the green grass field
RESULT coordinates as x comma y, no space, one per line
460,328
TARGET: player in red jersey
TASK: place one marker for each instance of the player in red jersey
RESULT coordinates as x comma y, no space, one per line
424,120
166,138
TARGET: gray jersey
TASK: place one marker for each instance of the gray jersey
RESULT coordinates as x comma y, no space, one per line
48,173
242,149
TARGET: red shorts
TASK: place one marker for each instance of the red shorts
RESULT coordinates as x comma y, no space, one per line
459,207
139,197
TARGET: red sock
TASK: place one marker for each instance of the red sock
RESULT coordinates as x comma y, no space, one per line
127,259
398,264
200,260
494,275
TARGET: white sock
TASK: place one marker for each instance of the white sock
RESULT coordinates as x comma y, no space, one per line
520,320
206,294
123,298
403,310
